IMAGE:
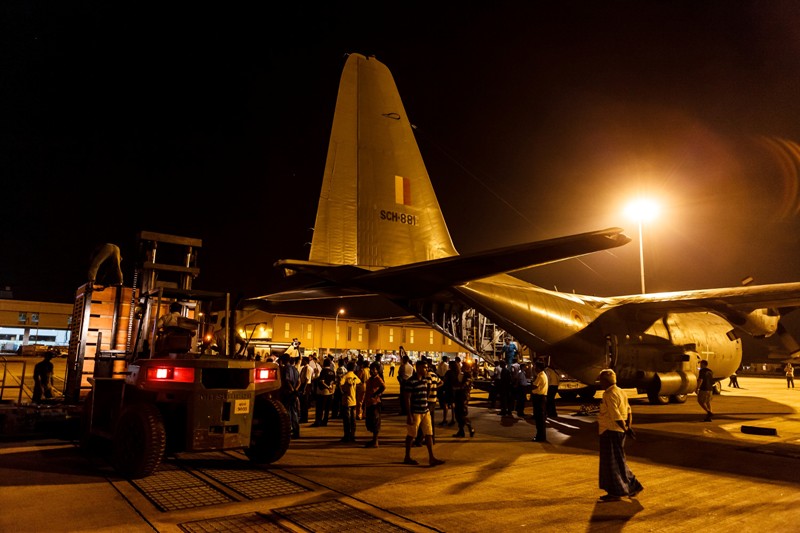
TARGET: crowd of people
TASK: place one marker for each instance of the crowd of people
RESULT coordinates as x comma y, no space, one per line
351,390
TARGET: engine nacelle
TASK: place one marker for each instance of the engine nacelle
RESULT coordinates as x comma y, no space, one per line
671,383
760,323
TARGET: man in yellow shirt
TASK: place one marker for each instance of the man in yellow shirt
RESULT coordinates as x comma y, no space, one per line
348,384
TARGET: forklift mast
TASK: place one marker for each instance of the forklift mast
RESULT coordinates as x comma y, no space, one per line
114,325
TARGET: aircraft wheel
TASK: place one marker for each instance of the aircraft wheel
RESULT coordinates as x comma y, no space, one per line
678,398
657,399
271,431
717,387
139,441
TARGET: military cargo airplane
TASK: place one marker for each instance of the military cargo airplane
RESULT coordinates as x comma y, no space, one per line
380,233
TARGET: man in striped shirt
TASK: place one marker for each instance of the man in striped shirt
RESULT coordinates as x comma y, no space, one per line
415,399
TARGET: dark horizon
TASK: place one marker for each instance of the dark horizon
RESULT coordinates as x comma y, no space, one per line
535,121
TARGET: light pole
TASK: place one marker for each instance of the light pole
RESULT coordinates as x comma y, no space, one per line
642,210
336,331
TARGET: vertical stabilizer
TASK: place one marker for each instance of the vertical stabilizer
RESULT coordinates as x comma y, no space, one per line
377,207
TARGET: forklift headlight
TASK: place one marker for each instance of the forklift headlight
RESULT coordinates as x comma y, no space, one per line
168,373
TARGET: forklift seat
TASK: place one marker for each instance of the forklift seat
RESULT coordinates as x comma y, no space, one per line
173,339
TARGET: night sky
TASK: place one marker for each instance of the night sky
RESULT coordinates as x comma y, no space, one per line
535,119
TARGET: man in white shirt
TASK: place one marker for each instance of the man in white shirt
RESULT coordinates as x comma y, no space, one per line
315,366
404,374
553,380
614,422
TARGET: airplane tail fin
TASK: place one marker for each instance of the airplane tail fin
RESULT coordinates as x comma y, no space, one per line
377,207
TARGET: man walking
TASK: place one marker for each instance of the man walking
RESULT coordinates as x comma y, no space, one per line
614,422
705,389
415,399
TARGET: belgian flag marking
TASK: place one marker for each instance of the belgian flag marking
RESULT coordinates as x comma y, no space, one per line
402,190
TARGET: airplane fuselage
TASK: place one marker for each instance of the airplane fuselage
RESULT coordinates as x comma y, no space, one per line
656,353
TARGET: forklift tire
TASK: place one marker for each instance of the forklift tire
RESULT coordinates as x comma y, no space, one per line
139,441
271,431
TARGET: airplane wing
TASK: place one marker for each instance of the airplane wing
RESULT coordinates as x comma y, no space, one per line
754,309
784,296
423,279
368,307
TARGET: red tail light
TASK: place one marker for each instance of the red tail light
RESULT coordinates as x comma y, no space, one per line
266,374
177,374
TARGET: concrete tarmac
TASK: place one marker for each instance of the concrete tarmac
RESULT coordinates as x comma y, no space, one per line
698,476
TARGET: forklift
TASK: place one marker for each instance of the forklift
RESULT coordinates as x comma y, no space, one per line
148,390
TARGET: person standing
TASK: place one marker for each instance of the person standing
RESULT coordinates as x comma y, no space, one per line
418,415
733,381
705,389
614,423
362,372
553,381
336,406
316,366
539,398
325,385
519,387
504,389
509,351
461,394
391,367
494,389
444,393
290,382
789,369
405,373
372,401
43,378
379,360
348,384
305,390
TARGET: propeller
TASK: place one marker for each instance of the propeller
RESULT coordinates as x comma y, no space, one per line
788,340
